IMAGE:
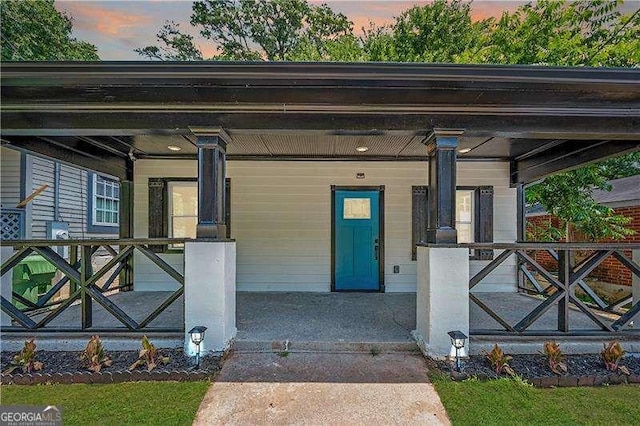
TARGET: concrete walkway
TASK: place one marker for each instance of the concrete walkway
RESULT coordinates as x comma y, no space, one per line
322,389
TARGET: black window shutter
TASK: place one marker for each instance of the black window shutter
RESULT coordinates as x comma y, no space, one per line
157,212
484,220
419,217
227,205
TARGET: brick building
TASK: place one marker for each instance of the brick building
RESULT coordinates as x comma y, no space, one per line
624,199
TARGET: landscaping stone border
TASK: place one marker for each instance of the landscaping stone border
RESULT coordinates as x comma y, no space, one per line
560,381
104,377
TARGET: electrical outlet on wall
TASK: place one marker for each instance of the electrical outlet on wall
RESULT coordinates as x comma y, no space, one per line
396,269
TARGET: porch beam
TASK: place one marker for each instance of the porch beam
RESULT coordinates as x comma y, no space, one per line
441,150
212,149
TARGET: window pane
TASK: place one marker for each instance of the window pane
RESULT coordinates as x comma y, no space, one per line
100,188
99,216
184,199
357,208
116,191
115,218
464,232
184,227
107,217
116,206
99,203
464,206
107,204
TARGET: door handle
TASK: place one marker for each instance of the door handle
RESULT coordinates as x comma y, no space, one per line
376,249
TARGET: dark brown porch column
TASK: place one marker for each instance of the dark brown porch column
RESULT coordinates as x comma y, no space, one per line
212,147
441,149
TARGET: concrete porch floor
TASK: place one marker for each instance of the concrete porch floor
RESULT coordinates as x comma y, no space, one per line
266,317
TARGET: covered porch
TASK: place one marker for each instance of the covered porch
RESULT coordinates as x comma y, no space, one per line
265,146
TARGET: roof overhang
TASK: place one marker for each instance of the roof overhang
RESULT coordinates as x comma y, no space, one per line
543,119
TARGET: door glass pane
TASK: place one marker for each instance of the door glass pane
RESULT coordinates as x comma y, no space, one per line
357,208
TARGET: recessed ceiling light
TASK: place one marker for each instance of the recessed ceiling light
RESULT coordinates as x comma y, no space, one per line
174,148
362,149
464,150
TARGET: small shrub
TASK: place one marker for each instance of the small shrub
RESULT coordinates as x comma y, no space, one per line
25,359
555,358
499,361
611,356
374,351
149,356
94,355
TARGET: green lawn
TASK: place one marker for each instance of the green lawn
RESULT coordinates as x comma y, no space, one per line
505,401
142,403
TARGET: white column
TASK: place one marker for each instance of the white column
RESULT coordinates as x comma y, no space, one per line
442,298
210,293
636,283
6,284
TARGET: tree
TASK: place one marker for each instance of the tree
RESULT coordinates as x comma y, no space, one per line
177,46
569,197
36,31
437,32
558,32
255,30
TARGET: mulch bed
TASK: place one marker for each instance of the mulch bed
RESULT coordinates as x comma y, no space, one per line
583,370
66,367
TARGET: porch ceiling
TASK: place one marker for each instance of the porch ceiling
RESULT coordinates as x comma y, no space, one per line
100,115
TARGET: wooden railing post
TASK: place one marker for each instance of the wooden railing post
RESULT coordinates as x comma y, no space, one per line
85,297
564,271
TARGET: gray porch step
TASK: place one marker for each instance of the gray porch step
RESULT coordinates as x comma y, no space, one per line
246,346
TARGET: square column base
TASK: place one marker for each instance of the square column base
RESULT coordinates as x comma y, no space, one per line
210,294
442,299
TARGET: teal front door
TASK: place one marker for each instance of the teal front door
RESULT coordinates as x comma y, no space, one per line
357,244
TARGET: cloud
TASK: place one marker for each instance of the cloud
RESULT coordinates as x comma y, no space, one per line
103,20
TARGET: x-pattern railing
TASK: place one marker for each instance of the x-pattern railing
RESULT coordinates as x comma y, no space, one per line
560,287
84,283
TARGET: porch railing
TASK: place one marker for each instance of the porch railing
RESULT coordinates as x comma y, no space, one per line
77,285
555,288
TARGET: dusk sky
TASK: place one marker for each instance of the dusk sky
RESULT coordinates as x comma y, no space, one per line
118,27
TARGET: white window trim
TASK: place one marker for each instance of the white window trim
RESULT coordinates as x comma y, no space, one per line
94,206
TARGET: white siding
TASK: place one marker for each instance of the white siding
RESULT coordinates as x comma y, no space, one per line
280,215
9,177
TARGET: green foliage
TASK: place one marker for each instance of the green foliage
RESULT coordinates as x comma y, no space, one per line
509,402
34,30
25,360
555,357
438,32
612,354
132,403
94,355
176,46
149,356
569,197
550,32
499,361
274,30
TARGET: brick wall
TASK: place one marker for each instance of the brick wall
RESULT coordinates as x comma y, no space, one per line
610,270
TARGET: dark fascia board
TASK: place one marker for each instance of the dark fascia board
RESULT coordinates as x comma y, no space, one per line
150,70
568,156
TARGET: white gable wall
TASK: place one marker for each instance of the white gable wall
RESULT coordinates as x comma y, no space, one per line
281,219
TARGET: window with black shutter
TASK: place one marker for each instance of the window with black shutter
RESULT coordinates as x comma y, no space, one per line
163,221
481,225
